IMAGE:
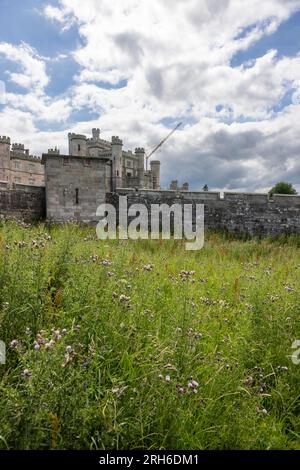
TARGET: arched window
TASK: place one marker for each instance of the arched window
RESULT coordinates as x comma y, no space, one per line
77,196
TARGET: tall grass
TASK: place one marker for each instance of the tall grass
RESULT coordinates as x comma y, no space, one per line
123,345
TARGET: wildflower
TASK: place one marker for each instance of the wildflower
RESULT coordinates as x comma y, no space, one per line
68,349
26,373
248,381
105,262
262,411
284,368
124,298
198,335
181,389
148,267
185,275
262,388
14,344
50,345
168,378
118,391
5,305
57,335
37,346
160,376
40,339
170,367
64,331
289,288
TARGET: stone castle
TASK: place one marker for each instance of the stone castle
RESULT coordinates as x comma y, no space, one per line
71,187
123,169
17,166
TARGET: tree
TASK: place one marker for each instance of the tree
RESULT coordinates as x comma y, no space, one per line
282,188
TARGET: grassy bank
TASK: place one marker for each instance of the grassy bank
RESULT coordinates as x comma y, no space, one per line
121,345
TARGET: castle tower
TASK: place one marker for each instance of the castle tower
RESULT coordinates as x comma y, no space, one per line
117,162
155,170
4,158
18,148
96,134
77,145
140,153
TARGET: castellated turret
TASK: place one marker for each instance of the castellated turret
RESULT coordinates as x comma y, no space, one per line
96,134
77,145
117,162
4,157
54,151
4,145
140,153
4,139
155,170
18,148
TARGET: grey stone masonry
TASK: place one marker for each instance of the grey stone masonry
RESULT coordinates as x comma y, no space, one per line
22,202
75,187
237,213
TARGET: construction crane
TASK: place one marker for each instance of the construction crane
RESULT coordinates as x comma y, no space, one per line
161,143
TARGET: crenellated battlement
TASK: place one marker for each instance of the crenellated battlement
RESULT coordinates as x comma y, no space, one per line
18,147
115,140
4,140
73,135
139,150
54,151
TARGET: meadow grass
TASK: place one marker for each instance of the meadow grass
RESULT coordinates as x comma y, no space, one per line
142,344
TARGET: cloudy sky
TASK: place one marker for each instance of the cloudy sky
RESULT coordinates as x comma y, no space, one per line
229,70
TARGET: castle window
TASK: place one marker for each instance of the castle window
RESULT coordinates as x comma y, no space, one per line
31,181
17,179
79,147
117,173
77,196
17,165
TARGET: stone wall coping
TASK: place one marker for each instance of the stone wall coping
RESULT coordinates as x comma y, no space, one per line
23,156
46,156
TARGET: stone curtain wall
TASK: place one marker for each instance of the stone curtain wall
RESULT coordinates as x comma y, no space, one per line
22,202
237,213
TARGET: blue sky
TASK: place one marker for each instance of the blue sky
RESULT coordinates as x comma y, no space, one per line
138,69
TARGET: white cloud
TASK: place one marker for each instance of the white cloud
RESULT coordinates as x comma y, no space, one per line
175,57
33,74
